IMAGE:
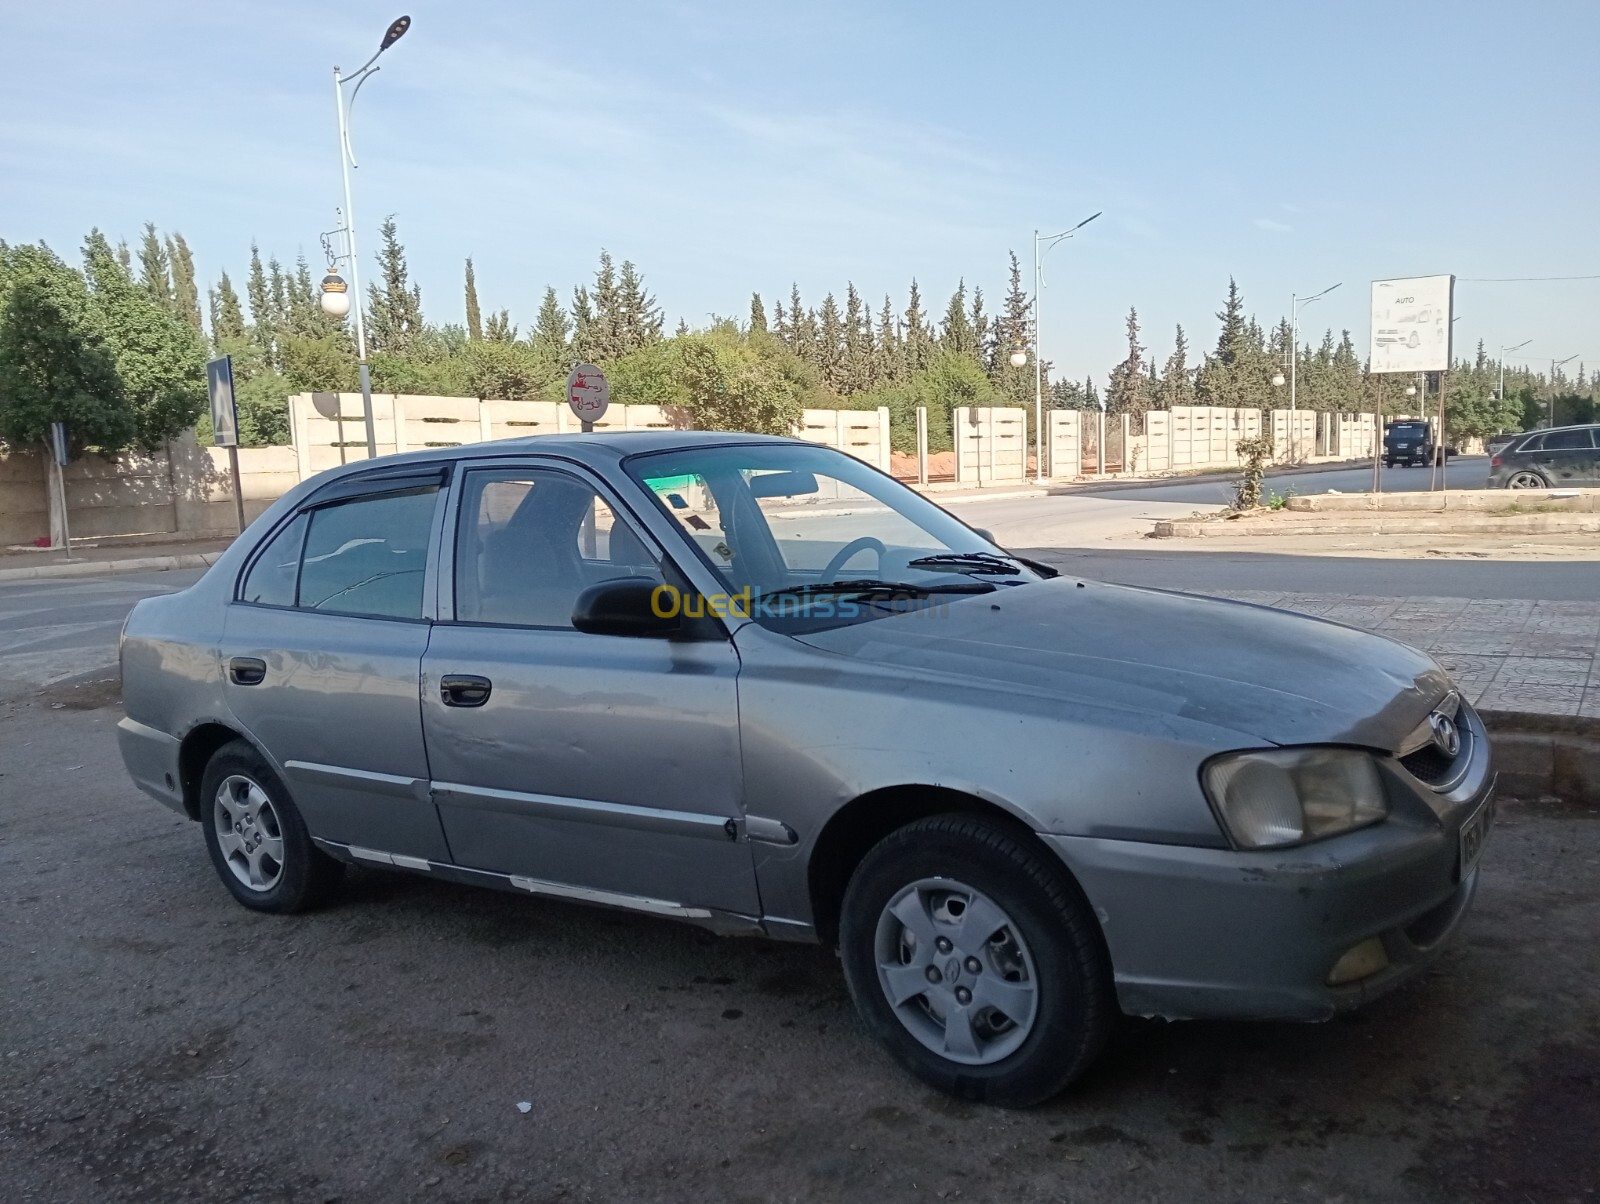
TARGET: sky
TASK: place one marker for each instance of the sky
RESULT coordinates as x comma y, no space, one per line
727,148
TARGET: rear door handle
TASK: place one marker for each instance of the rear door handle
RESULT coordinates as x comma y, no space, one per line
464,689
247,670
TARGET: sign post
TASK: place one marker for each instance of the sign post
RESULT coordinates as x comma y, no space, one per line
1412,329
225,423
59,456
588,393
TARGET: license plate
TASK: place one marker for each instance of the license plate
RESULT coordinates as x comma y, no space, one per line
1402,446
1473,834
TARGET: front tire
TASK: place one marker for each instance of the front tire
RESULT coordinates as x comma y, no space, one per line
975,959
258,843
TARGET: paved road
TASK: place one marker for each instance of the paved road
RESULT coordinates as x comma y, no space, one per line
162,1044
56,630
1467,472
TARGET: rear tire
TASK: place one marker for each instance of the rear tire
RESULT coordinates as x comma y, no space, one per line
1526,479
976,960
258,843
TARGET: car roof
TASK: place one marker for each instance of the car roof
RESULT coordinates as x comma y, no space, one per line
597,449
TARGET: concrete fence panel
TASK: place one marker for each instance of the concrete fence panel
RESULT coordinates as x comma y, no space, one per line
1064,448
991,444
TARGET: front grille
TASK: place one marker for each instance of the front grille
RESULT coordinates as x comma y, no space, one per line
1429,763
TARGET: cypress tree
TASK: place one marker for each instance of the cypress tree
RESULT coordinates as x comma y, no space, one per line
550,331
830,344
583,325
228,319
1177,387
982,331
1125,393
1231,339
918,340
155,275
856,370
780,324
890,361
758,315
639,317
956,332
262,330
797,316
474,316
185,292
395,304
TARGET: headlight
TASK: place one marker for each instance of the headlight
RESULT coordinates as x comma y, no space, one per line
1266,800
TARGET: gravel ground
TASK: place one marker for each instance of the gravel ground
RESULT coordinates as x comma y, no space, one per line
160,1043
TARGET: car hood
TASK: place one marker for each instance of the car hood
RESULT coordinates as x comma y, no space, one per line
1264,675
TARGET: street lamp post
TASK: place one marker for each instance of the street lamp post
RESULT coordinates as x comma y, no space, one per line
1041,246
1550,414
1503,351
1295,305
347,160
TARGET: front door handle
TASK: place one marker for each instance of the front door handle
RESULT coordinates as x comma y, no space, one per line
247,670
464,689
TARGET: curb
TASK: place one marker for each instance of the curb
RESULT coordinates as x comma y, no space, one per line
1208,478
1541,756
104,568
1377,522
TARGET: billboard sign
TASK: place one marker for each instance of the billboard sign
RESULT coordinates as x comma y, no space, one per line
1411,324
224,417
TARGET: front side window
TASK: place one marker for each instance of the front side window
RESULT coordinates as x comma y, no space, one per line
530,540
368,555
804,536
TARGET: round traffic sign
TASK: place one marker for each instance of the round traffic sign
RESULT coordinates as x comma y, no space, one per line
588,393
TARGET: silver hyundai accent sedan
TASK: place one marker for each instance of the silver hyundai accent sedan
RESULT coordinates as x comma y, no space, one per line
755,684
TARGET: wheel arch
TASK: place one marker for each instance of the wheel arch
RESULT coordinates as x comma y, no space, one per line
854,828
195,751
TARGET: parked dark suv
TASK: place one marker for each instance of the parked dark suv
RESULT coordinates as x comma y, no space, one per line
1408,441
1561,456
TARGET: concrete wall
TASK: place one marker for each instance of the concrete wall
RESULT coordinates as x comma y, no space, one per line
991,444
1064,446
184,489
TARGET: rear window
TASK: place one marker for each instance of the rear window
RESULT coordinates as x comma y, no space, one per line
1578,440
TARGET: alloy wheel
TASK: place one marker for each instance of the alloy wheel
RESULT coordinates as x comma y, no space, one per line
1525,480
957,972
249,833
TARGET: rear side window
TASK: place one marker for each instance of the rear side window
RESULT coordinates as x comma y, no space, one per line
368,556
271,579
1568,441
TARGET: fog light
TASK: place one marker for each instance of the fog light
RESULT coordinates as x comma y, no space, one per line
1358,962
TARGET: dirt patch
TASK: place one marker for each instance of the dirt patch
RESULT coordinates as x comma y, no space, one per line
82,695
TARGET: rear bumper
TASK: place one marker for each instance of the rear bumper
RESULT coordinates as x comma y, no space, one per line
1218,933
151,757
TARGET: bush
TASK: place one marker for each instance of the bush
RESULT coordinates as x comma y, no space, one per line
1255,453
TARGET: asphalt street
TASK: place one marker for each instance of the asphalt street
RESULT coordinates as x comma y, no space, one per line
1466,472
162,1044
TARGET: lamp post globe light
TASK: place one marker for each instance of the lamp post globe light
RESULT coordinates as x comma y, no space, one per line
335,300
335,303
1019,356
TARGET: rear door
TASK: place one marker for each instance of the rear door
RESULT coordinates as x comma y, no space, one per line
321,658
593,765
1567,456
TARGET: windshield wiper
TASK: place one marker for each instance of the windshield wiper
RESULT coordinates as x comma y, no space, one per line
969,562
868,585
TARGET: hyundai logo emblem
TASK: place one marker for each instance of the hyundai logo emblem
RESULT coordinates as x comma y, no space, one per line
1446,736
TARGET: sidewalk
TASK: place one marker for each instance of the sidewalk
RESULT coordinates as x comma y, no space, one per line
1513,655
111,559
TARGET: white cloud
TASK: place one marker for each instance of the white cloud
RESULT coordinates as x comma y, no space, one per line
1272,227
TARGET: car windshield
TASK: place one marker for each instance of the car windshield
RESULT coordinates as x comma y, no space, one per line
1408,430
804,537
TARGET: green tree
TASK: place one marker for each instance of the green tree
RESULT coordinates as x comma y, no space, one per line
394,304
639,318
947,381
829,357
185,292
758,315
474,315
1177,383
499,328
551,330
160,358
916,339
1013,330
584,341
501,368
263,326
155,271
955,332
53,365
227,319
887,348
1127,391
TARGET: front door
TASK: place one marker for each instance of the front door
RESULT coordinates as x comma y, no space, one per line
602,766
321,657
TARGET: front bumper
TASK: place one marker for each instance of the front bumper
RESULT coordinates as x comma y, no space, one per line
1198,932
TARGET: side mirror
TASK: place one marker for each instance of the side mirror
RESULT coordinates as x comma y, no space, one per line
987,534
627,606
